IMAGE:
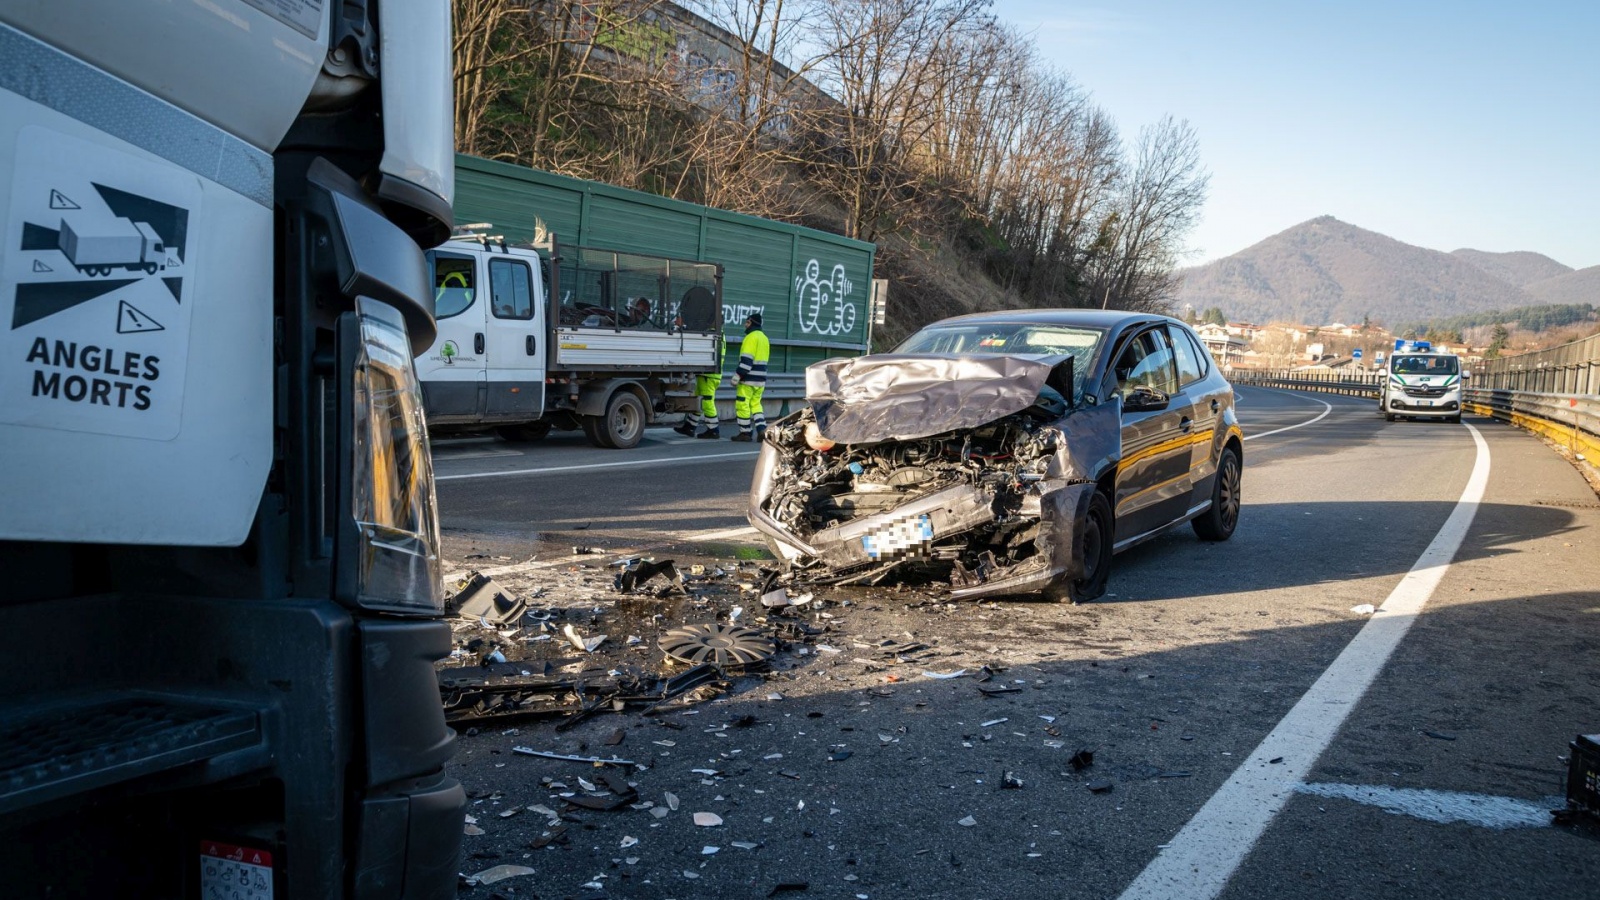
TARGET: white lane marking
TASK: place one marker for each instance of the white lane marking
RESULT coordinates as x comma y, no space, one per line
632,463
610,555
1326,408
1444,807
1198,862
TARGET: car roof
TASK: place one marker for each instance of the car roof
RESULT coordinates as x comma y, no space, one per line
1108,319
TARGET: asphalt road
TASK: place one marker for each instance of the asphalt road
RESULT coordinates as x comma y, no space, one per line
1252,736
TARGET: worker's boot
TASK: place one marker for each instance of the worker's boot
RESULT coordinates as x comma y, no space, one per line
761,433
710,434
685,428
742,437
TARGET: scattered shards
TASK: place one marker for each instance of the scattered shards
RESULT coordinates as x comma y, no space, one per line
709,850
1275,760
508,813
717,644
541,809
707,819
780,598
991,690
471,830
481,597
993,722
745,845
498,873
584,551
615,737
1364,609
1081,760
1009,781
628,841
586,644
672,800
967,822
556,835
471,699
1099,785
839,756
1439,735
592,760
945,675
636,573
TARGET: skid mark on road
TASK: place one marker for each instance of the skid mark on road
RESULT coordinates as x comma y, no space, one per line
1198,862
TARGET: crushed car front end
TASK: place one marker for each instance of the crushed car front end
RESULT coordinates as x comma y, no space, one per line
971,469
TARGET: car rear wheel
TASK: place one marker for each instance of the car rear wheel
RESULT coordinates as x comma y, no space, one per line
1095,534
1218,522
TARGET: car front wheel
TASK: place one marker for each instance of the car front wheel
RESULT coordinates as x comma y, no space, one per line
1095,534
1218,522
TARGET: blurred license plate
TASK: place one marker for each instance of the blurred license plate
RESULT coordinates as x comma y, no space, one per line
1424,402
899,537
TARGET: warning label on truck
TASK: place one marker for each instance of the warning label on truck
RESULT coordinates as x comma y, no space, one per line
95,289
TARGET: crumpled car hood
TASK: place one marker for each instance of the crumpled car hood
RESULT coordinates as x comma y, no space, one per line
904,396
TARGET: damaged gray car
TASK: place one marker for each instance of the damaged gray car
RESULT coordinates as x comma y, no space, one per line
1008,453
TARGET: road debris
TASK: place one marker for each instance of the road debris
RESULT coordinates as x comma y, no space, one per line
586,644
592,760
498,873
1364,609
481,597
716,644
707,819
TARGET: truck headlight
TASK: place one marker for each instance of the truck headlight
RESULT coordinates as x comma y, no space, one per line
392,497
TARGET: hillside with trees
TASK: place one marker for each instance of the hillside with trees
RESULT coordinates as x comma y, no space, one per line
1521,268
1581,286
928,126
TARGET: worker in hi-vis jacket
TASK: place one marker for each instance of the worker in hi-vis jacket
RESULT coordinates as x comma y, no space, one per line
750,379
705,394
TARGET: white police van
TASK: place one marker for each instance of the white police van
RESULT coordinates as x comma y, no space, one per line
1421,383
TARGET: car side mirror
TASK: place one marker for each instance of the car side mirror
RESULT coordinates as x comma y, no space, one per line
1144,399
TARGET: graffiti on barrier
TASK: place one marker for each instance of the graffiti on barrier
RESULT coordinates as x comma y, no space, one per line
822,304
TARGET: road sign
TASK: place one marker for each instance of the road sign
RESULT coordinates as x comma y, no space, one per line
1355,354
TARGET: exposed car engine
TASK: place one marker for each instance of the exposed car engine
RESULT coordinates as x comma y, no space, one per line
970,497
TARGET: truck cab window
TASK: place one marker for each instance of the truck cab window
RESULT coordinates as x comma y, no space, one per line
510,289
453,284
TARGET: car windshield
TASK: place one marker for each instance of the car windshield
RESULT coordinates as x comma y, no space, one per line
1425,365
1011,338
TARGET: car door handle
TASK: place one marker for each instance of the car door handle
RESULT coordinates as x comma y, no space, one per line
530,345
1185,424
1215,404
477,343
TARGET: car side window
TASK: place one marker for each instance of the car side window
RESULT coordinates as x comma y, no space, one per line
1147,361
511,292
1191,360
453,284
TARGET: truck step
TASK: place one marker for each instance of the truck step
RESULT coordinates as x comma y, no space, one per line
48,752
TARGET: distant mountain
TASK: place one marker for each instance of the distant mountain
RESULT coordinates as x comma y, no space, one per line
1325,271
1520,268
1581,286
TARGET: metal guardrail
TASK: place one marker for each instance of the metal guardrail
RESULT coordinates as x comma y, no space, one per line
1354,385
1571,420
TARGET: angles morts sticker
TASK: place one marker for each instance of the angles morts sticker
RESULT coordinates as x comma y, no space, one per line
96,289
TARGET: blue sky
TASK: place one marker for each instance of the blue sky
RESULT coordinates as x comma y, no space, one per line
1444,125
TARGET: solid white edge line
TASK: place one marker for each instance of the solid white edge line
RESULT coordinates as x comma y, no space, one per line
1198,862
674,460
1326,408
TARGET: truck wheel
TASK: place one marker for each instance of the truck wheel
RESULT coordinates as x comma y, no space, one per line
1095,534
1218,522
149,268
528,431
622,427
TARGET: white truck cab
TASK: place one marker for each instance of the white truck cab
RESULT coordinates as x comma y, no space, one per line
1421,383
543,335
